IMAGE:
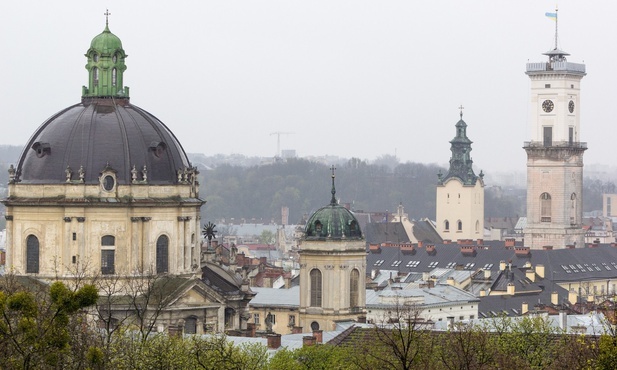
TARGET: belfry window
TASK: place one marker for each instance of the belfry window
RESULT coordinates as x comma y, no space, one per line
354,282
315,289
162,254
32,254
446,225
545,207
459,225
95,76
108,255
114,73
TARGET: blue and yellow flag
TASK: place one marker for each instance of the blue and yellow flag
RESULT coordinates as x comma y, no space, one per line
552,16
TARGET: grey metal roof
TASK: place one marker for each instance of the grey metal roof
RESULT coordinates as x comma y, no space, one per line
272,297
100,132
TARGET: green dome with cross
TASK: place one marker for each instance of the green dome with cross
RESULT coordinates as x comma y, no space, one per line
105,66
332,221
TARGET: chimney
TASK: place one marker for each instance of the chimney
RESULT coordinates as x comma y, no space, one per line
530,274
480,242
274,341
420,243
510,289
510,243
450,281
522,251
590,298
502,265
426,276
548,247
318,335
447,241
482,292
430,248
296,330
374,248
308,340
487,274
524,308
540,271
554,298
563,320
572,297
570,246
251,329
287,282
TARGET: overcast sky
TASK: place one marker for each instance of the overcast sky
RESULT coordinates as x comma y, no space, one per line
349,78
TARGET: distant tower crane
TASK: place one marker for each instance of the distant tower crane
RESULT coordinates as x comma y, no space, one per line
278,141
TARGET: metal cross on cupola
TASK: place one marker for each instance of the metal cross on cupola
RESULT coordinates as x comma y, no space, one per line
107,14
461,109
333,200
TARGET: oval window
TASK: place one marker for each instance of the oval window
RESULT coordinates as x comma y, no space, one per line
108,183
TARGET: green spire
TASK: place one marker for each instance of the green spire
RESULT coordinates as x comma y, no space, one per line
461,164
105,66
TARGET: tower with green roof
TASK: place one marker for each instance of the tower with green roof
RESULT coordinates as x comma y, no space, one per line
460,192
105,66
332,268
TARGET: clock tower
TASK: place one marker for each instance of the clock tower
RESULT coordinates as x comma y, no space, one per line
555,153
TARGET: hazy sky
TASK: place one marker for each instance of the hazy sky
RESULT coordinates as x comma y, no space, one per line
347,78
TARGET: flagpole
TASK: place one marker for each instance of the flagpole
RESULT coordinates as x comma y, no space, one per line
556,24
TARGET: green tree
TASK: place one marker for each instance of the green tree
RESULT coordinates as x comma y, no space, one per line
36,323
267,237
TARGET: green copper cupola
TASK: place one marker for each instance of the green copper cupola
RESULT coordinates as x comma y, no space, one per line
105,66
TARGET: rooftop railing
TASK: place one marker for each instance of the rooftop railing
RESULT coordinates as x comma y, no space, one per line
555,144
556,66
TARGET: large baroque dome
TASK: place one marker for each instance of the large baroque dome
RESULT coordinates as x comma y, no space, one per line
99,133
103,132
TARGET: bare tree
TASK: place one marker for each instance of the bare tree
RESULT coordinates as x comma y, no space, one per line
402,340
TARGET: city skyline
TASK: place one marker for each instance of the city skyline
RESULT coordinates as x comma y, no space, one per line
354,79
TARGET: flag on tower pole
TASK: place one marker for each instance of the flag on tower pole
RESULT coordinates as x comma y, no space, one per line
552,16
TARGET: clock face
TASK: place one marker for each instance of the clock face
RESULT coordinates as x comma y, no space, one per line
571,106
548,106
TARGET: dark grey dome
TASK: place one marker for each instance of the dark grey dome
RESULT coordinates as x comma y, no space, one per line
101,133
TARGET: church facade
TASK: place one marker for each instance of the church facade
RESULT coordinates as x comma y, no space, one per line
460,192
104,189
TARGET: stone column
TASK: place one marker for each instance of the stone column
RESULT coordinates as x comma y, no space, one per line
10,248
135,245
147,260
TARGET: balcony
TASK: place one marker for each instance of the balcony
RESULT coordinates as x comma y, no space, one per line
556,66
555,144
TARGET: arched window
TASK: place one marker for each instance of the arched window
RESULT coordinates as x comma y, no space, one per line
95,76
354,289
113,77
545,207
314,325
459,225
446,225
108,255
315,277
477,226
162,254
32,254
573,209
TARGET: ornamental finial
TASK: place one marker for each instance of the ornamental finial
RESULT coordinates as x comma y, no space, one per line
333,200
461,109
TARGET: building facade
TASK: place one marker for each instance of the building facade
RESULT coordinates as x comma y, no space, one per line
460,193
332,268
555,154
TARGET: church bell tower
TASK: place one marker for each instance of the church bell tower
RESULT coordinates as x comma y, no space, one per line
555,153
